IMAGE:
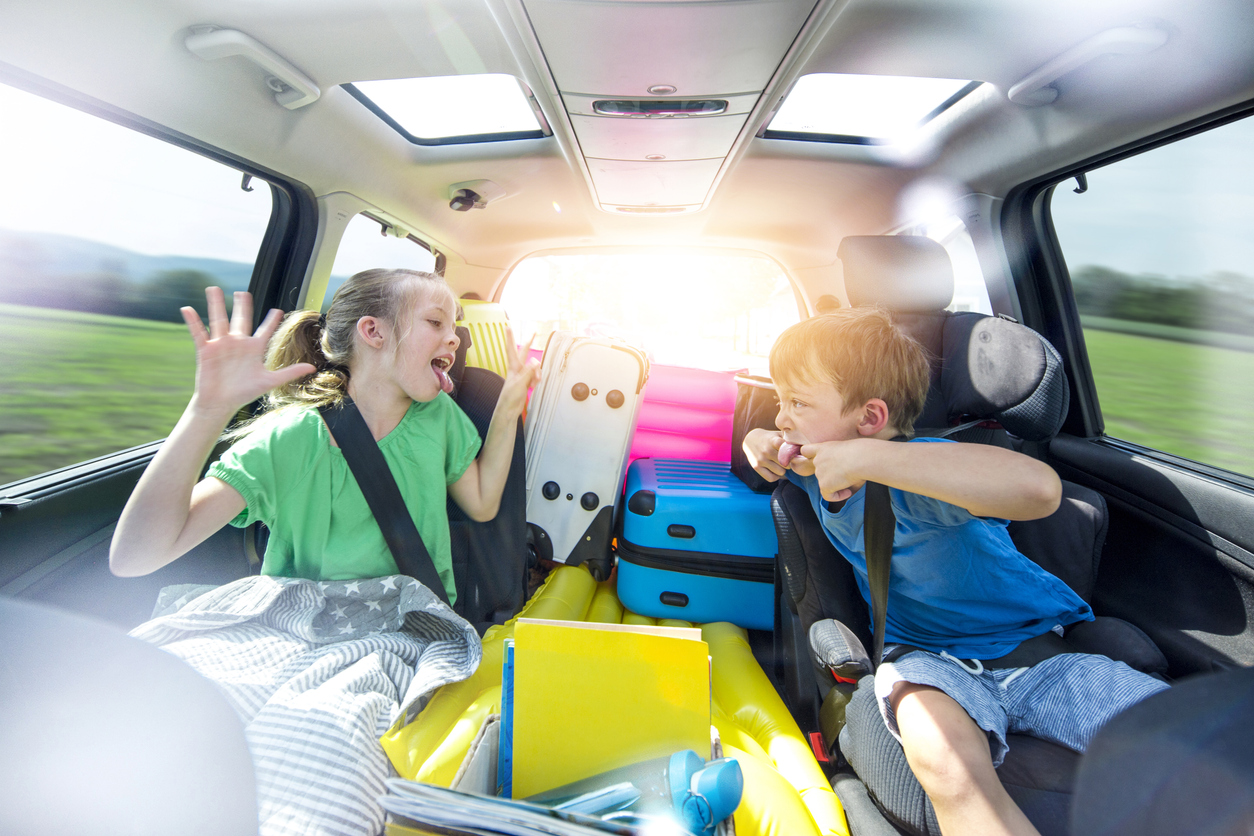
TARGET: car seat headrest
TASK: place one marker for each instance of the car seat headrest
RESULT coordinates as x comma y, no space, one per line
903,273
458,369
998,369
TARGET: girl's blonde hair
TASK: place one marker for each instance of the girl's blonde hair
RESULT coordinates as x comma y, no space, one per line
327,342
863,354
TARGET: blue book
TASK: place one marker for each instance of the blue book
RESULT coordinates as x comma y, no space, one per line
505,756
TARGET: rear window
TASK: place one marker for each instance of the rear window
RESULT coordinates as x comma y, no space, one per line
712,311
104,234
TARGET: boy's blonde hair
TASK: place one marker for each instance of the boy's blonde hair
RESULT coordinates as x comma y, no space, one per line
863,354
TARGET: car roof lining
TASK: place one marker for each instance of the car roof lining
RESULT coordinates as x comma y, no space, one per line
790,200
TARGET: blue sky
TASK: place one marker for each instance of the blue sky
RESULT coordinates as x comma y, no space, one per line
1185,209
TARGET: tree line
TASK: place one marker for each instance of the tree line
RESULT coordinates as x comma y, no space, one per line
158,297
1222,302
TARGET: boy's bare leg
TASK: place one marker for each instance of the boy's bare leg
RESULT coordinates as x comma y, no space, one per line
949,755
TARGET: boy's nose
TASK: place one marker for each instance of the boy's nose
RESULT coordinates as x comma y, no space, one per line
781,420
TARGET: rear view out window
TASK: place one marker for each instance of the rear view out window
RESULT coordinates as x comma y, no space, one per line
104,234
1161,255
684,308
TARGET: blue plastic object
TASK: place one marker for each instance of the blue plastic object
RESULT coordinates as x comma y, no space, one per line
645,590
681,788
697,545
724,516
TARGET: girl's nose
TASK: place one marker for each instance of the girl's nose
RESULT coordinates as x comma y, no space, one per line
453,340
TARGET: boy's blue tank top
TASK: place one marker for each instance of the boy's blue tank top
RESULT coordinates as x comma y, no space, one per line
958,583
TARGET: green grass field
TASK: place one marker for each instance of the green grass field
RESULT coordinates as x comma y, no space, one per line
1192,400
74,386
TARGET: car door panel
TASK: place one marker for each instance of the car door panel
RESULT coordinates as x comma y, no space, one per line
1178,561
54,543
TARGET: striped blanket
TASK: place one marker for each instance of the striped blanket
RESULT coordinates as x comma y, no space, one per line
317,671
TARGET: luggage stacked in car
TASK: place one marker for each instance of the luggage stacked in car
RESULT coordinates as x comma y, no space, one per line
697,544
694,543
579,430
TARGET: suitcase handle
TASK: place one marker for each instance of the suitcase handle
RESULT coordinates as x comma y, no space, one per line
683,532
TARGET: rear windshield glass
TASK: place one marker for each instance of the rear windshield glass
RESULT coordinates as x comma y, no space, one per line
687,309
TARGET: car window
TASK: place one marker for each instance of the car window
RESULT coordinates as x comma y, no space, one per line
970,289
104,234
1161,257
713,311
367,244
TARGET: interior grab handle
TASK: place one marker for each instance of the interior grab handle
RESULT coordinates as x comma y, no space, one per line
291,87
1035,88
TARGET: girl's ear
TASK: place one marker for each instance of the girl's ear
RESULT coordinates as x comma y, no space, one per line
874,418
372,331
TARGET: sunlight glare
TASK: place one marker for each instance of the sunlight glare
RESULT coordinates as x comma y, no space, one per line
454,105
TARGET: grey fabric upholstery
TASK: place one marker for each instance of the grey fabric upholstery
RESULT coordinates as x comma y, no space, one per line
1120,640
1037,774
994,368
1068,544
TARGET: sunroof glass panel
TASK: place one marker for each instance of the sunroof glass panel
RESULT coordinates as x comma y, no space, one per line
463,106
872,108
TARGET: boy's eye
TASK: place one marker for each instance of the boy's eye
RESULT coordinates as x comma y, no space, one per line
797,404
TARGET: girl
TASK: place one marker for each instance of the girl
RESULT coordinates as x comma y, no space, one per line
387,341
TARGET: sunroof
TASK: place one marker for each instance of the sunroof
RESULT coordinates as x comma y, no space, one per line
443,110
863,109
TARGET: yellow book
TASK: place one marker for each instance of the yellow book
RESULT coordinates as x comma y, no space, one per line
593,697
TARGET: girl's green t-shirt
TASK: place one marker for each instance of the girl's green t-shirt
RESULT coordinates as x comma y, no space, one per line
321,528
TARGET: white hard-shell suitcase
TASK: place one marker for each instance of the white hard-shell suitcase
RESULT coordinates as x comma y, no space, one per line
579,431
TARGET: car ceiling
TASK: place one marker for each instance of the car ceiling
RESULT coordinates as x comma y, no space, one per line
790,200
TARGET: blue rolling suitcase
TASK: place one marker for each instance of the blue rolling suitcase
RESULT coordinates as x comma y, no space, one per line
697,544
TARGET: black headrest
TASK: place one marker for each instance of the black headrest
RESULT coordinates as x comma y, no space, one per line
458,368
903,273
998,369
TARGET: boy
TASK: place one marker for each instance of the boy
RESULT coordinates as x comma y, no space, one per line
849,383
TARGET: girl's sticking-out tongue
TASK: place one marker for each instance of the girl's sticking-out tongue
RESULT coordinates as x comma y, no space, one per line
787,452
446,382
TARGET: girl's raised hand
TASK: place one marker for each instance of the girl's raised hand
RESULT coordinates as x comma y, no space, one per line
522,374
230,360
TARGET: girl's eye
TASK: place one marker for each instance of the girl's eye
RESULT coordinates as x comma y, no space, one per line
438,323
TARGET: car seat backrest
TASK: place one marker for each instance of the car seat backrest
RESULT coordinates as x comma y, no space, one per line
983,368
489,558
992,368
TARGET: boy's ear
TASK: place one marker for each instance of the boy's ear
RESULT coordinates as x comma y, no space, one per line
874,418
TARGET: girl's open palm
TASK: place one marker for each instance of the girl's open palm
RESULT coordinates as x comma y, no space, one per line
230,360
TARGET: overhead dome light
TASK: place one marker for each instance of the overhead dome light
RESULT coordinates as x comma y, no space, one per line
659,108
444,110
863,109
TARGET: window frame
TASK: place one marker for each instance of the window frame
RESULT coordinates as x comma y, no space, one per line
278,271
1042,283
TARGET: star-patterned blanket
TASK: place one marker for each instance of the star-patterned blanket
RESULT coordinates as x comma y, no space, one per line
317,671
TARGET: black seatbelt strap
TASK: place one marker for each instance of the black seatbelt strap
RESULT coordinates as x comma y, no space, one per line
878,527
378,485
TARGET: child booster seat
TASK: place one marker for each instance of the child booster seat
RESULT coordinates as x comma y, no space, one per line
993,379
